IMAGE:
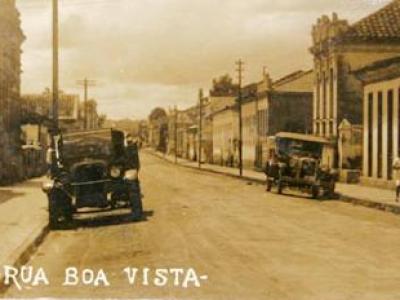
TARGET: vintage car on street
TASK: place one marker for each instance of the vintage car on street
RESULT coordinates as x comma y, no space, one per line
302,162
91,169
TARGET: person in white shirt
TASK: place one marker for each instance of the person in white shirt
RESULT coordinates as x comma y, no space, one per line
396,176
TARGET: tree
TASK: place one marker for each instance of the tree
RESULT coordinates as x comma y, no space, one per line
102,119
224,87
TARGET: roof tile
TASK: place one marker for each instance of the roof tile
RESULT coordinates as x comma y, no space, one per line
381,25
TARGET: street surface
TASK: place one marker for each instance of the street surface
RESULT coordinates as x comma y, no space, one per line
250,244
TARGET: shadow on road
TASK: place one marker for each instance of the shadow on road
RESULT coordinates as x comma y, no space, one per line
6,195
305,196
108,220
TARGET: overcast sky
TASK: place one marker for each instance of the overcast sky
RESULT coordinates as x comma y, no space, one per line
147,53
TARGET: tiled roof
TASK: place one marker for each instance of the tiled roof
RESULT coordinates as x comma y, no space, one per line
383,25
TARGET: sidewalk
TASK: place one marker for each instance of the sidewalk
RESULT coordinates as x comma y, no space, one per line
234,172
376,198
23,223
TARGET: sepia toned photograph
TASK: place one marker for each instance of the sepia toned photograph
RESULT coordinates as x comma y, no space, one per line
200,149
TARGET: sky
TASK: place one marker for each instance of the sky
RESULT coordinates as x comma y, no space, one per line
148,53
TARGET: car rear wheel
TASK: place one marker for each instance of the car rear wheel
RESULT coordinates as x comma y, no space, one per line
280,187
269,185
330,190
60,209
315,191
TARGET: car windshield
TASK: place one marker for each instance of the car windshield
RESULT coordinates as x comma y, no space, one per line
292,147
95,145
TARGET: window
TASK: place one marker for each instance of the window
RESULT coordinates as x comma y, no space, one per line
390,134
331,99
323,97
370,133
398,122
380,96
318,98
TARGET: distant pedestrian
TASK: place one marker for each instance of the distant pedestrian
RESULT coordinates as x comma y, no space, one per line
271,170
132,151
396,176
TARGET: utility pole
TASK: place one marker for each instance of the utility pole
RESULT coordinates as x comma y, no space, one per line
239,69
259,149
55,66
86,83
176,133
200,124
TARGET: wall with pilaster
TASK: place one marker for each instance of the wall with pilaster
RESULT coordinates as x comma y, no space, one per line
385,159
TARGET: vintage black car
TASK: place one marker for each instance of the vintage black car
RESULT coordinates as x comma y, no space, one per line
302,162
91,169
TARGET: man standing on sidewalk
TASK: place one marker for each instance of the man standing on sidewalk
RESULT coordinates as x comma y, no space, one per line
396,175
271,170
133,162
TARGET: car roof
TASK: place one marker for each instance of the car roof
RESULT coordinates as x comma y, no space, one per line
303,137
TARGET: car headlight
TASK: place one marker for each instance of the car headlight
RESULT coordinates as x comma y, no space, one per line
131,175
115,172
47,186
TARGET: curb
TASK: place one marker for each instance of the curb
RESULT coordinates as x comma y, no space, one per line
250,179
23,253
385,207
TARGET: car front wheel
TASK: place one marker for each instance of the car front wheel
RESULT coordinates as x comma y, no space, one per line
136,200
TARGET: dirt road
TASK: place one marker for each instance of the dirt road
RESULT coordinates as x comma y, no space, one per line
247,244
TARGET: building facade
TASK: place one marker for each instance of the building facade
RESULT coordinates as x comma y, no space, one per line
158,129
381,110
182,132
281,105
11,39
37,108
338,49
225,136
268,107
